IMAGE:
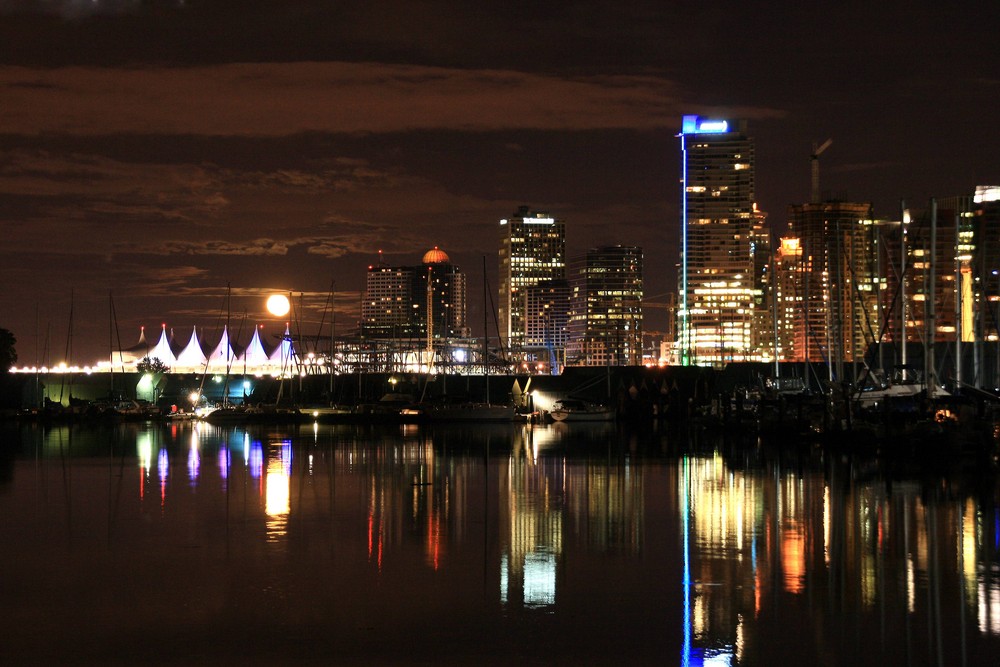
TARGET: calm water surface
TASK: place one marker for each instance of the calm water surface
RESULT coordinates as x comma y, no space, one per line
563,544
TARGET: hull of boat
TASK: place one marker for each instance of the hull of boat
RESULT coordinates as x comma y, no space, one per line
227,416
582,415
473,412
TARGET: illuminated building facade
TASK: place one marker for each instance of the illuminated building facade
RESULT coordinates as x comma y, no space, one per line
532,250
762,334
787,299
985,263
546,308
933,266
837,287
605,318
951,290
717,291
398,299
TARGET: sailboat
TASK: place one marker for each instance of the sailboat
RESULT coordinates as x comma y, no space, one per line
579,410
227,413
468,411
223,355
464,410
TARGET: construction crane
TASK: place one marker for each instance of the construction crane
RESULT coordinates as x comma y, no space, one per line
814,161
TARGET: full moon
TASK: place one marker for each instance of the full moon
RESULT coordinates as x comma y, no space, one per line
277,305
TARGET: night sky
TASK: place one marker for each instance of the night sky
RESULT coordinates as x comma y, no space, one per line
152,153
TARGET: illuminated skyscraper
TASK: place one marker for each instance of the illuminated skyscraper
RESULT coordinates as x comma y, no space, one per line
532,250
546,318
605,318
986,264
717,290
836,286
398,299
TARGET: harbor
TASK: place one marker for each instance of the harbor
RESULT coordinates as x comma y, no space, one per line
747,398
543,543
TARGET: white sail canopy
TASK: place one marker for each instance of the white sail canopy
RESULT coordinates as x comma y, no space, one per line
222,357
282,357
131,355
255,356
162,349
192,357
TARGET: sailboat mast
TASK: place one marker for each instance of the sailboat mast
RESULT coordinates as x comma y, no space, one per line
958,309
774,308
902,285
69,348
430,320
333,335
111,343
486,324
225,336
929,372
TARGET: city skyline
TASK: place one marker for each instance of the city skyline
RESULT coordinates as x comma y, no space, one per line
162,151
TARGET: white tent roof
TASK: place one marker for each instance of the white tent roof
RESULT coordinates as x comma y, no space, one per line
192,356
255,354
222,356
162,349
132,354
282,355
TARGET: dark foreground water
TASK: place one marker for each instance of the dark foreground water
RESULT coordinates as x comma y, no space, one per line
191,544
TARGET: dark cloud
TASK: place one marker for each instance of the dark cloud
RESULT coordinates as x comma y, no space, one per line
176,152
251,248
276,99
74,9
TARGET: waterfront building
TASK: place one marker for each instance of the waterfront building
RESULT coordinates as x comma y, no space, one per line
985,261
532,250
835,288
546,318
605,317
939,250
763,338
398,300
717,290
950,295
787,299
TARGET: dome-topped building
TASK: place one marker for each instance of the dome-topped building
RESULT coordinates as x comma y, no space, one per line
399,299
436,256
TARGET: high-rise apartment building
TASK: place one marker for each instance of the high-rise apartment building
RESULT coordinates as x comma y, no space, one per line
532,250
949,251
546,317
605,317
717,283
985,264
835,287
763,339
398,300
786,300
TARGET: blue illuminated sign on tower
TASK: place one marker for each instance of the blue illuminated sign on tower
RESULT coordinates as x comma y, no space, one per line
699,125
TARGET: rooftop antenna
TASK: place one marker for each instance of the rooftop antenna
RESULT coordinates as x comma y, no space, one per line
814,161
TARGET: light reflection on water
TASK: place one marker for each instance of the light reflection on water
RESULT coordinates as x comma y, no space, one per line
545,544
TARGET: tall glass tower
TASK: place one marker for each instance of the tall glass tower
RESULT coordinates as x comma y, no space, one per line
532,250
716,290
605,318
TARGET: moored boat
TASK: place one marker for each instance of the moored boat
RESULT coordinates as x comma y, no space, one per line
229,414
468,411
579,410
